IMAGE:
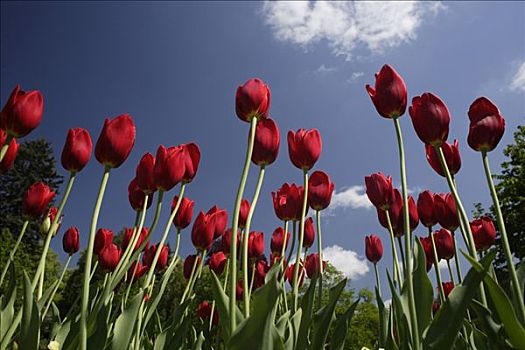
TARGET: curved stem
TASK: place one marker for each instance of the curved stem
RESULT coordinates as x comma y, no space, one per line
397,271
130,282
190,280
301,238
251,280
294,236
402,252
456,259
451,272
157,212
436,266
56,288
378,283
320,252
5,147
13,251
197,274
235,222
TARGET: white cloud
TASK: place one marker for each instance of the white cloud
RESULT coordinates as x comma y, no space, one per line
518,80
351,197
323,69
377,25
354,77
346,261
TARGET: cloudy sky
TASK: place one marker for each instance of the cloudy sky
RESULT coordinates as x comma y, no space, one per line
175,67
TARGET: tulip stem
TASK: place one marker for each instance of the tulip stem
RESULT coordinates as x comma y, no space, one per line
402,252
397,273
456,258
130,282
89,258
516,287
235,222
320,252
223,289
5,147
450,272
301,239
13,252
378,283
294,236
245,240
160,196
197,274
283,264
192,274
408,239
436,266
56,288
251,280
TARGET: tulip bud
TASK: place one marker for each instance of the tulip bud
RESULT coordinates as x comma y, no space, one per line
255,244
136,270
425,208
390,93
45,226
77,150
430,118
395,211
487,125
252,100
10,156
188,265
128,236
399,228
320,189
70,241
109,257
312,265
260,271
220,218
162,262
444,244
484,233
288,202
277,240
103,238
239,290
447,287
22,112
304,147
36,200
169,167
379,190
204,311
445,208
266,143
452,157
218,262
145,174
290,272
116,141
192,157
243,213
226,240
426,243
136,196
309,233
373,248
202,233
183,217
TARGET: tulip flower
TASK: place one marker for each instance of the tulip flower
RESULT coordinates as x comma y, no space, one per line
70,241
77,150
22,112
192,157
109,257
390,93
128,235
255,244
149,254
452,156
252,100
487,125
10,156
188,265
36,200
447,287
115,141
45,226
277,240
145,174
445,208
136,196
426,243
185,213
312,265
425,209
304,148
320,189
220,218
202,233
309,233
226,240
379,190
444,244
288,202
204,311
373,248
218,262
267,141
290,271
243,213
239,290
395,211
413,217
103,238
169,167
430,118
435,307
136,271
260,271
484,233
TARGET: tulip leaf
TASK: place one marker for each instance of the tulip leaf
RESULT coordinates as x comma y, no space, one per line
390,340
8,303
341,327
30,327
399,311
425,295
383,320
493,330
448,321
281,324
98,331
307,306
199,342
125,323
293,330
222,303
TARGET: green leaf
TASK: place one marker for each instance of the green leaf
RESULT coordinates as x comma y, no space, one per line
282,323
98,331
293,330
424,297
30,327
8,303
399,311
341,327
493,330
222,303
383,320
307,306
125,323
199,342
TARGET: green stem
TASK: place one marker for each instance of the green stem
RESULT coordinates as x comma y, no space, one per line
320,252
157,212
294,236
13,251
56,288
190,280
197,274
456,260
301,238
5,147
251,280
89,258
402,252
378,283
516,288
436,266
235,223
450,272
283,265
397,271
130,282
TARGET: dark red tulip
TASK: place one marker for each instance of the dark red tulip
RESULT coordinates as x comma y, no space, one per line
70,241
183,217
204,310
277,240
255,244
445,208
373,248
218,262
239,289
290,272
109,257
252,100
202,233
430,118
390,93
192,157
288,202
145,174
304,147
444,244
10,156
487,125
426,243
169,166
220,218
45,226
36,200
447,287
243,213
267,141
309,233
425,208
77,150
276,258
320,189
188,265
395,211
136,270
149,255
22,112
128,235
452,156
103,237
116,141
312,265
226,240
379,190
399,228
260,271
435,307
484,233
136,196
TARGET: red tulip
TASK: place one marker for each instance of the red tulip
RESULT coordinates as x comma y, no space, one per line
149,255
255,244
288,202
390,93
320,189
115,141
239,290
192,157
309,233
445,208
226,240
487,125
373,248
379,190
36,200
169,167
202,233
145,174
447,287
484,233
260,271
312,265
452,156
290,272
252,100
10,156
435,307
426,243
103,238
395,211
304,147
218,262
45,226
276,258
220,218
188,265
183,217
128,235
425,208
109,257
22,112
77,150
136,196
430,118
70,241
136,270
277,240
444,244
399,228
267,141
243,213
204,311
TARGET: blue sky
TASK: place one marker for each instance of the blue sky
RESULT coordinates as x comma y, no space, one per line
175,67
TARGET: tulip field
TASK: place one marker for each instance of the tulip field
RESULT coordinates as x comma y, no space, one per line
283,300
